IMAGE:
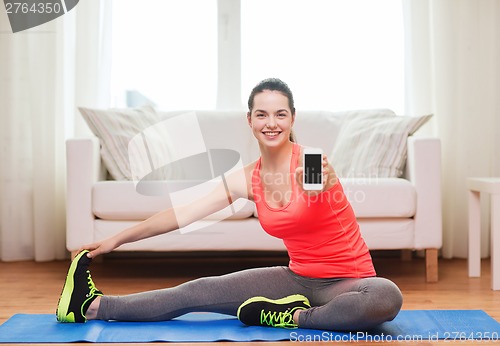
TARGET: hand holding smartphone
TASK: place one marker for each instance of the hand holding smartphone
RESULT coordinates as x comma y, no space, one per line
313,169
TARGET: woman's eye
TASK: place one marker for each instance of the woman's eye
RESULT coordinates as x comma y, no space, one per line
259,115
282,115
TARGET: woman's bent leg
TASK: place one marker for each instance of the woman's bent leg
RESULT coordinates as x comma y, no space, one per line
353,305
222,294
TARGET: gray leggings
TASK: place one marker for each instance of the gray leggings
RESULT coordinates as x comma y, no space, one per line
337,304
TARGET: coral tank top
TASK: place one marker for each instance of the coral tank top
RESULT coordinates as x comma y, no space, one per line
320,232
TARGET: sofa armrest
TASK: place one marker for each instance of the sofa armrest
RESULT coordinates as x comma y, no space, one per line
423,169
83,169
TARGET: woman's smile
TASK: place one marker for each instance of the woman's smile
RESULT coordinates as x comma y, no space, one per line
271,134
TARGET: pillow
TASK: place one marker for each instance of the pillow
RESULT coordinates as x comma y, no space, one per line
115,128
374,145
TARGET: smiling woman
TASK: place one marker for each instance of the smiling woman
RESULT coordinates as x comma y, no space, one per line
330,282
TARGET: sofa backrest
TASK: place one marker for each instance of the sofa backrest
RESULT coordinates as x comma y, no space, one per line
318,129
229,129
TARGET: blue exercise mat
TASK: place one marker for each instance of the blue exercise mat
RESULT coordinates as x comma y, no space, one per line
409,325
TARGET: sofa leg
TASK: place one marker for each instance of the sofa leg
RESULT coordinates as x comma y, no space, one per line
431,265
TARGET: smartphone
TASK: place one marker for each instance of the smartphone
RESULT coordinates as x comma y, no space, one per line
313,169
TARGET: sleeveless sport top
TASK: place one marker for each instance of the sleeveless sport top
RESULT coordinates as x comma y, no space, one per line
320,232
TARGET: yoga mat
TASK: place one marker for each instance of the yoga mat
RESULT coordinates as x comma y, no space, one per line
409,325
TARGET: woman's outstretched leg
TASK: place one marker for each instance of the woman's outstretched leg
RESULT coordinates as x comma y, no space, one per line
222,294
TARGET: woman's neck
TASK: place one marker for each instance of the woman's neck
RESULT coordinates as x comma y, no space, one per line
273,158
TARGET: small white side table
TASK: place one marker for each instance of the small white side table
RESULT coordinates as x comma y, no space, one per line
492,187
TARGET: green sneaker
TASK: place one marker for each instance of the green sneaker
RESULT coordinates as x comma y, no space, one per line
78,292
261,311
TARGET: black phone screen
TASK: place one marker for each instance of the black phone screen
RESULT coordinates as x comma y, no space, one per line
312,168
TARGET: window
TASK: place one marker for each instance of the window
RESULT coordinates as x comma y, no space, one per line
166,51
334,54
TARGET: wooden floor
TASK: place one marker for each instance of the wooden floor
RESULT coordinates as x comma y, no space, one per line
29,287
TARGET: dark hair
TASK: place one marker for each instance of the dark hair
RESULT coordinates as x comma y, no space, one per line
273,84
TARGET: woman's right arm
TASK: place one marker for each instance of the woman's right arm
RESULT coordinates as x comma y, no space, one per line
173,218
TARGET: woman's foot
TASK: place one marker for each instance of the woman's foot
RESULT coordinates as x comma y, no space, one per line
261,311
78,292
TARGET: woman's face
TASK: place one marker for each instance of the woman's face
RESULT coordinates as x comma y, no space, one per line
271,119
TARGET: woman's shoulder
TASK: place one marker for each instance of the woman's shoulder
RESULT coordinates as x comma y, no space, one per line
248,169
239,181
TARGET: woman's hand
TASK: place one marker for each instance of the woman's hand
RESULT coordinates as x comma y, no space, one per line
329,177
99,248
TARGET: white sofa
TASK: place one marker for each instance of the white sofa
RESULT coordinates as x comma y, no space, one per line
393,213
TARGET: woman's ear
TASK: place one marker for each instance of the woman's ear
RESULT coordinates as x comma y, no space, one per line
249,119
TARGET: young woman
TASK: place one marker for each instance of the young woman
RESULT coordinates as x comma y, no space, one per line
330,282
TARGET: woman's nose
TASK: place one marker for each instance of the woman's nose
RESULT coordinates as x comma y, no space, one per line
271,122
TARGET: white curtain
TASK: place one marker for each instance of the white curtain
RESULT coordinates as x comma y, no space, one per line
453,71
40,76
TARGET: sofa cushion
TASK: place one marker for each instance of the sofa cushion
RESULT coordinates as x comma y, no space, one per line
388,233
115,128
119,200
381,197
231,235
374,144
370,198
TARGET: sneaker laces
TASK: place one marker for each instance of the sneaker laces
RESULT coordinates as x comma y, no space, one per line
282,319
91,284
91,295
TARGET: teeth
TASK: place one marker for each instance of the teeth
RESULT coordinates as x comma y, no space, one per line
271,133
